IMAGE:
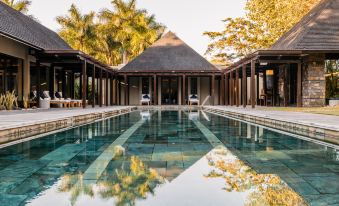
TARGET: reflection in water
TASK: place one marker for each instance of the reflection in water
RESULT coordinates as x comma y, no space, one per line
265,189
125,186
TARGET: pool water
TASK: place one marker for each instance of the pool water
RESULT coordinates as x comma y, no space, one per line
179,158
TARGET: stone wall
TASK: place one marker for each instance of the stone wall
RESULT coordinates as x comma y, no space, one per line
314,83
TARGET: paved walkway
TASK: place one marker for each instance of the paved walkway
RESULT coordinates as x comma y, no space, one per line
13,119
315,120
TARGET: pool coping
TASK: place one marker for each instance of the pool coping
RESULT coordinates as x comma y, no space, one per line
313,131
23,131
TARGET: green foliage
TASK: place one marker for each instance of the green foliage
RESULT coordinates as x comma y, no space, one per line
111,35
264,23
21,5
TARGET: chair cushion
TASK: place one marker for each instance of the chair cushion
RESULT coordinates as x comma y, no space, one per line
58,95
194,96
145,96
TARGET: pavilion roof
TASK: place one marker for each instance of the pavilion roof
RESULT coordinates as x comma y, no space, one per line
22,28
318,30
169,53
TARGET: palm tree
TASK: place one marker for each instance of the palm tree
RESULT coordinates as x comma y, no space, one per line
21,5
130,27
78,29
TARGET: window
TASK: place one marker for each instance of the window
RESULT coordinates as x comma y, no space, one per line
194,85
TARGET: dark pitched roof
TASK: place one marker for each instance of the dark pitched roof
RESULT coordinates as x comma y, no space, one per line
16,25
169,53
318,30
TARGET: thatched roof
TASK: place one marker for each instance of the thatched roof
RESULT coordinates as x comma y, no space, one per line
169,53
318,30
22,28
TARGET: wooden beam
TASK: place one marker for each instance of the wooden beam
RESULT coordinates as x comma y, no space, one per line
244,86
213,88
299,85
155,98
100,88
106,90
227,90
93,87
84,78
237,96
257,87
253,84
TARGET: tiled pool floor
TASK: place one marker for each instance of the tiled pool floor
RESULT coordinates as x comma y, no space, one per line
168,158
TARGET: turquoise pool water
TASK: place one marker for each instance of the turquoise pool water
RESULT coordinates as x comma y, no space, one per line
179,158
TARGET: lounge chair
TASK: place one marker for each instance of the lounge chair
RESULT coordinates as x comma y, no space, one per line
145,98
193,99
72,102
57,101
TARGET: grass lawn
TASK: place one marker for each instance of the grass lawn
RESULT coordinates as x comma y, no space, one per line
316,110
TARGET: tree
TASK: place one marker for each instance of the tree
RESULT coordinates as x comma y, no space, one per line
127,30
21,5
264,23
79,30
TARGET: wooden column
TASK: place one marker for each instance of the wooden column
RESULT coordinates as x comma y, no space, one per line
227,90
237,96
244,86
106,92
212,88
72,96
117,89
299,85
183,99
222,90
155,94
265,82
84,86
119,92
52,81
257,87
64,86
100,88
93,87
253,83
38,87
231,89
126,89
112,90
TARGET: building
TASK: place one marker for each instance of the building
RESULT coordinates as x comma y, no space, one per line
292,71
34,58
169,71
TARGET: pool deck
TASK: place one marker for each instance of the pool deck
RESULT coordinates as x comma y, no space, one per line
316,126
19,125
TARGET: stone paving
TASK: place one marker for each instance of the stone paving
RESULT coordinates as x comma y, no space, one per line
320,120
315,126
19,125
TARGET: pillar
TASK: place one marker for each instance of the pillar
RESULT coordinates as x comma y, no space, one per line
93,87
212,89
84,86
244,86
227,90
100,88
299,85
252,83
183,90
106,90
237,100
155,98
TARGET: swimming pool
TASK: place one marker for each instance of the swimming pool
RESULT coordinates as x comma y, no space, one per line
169,158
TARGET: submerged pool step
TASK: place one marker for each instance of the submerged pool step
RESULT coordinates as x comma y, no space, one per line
95,170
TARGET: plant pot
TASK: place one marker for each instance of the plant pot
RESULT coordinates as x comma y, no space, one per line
333,102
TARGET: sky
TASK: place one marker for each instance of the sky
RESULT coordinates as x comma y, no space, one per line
187,18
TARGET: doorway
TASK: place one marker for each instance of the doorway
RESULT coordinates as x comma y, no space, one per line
169,90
